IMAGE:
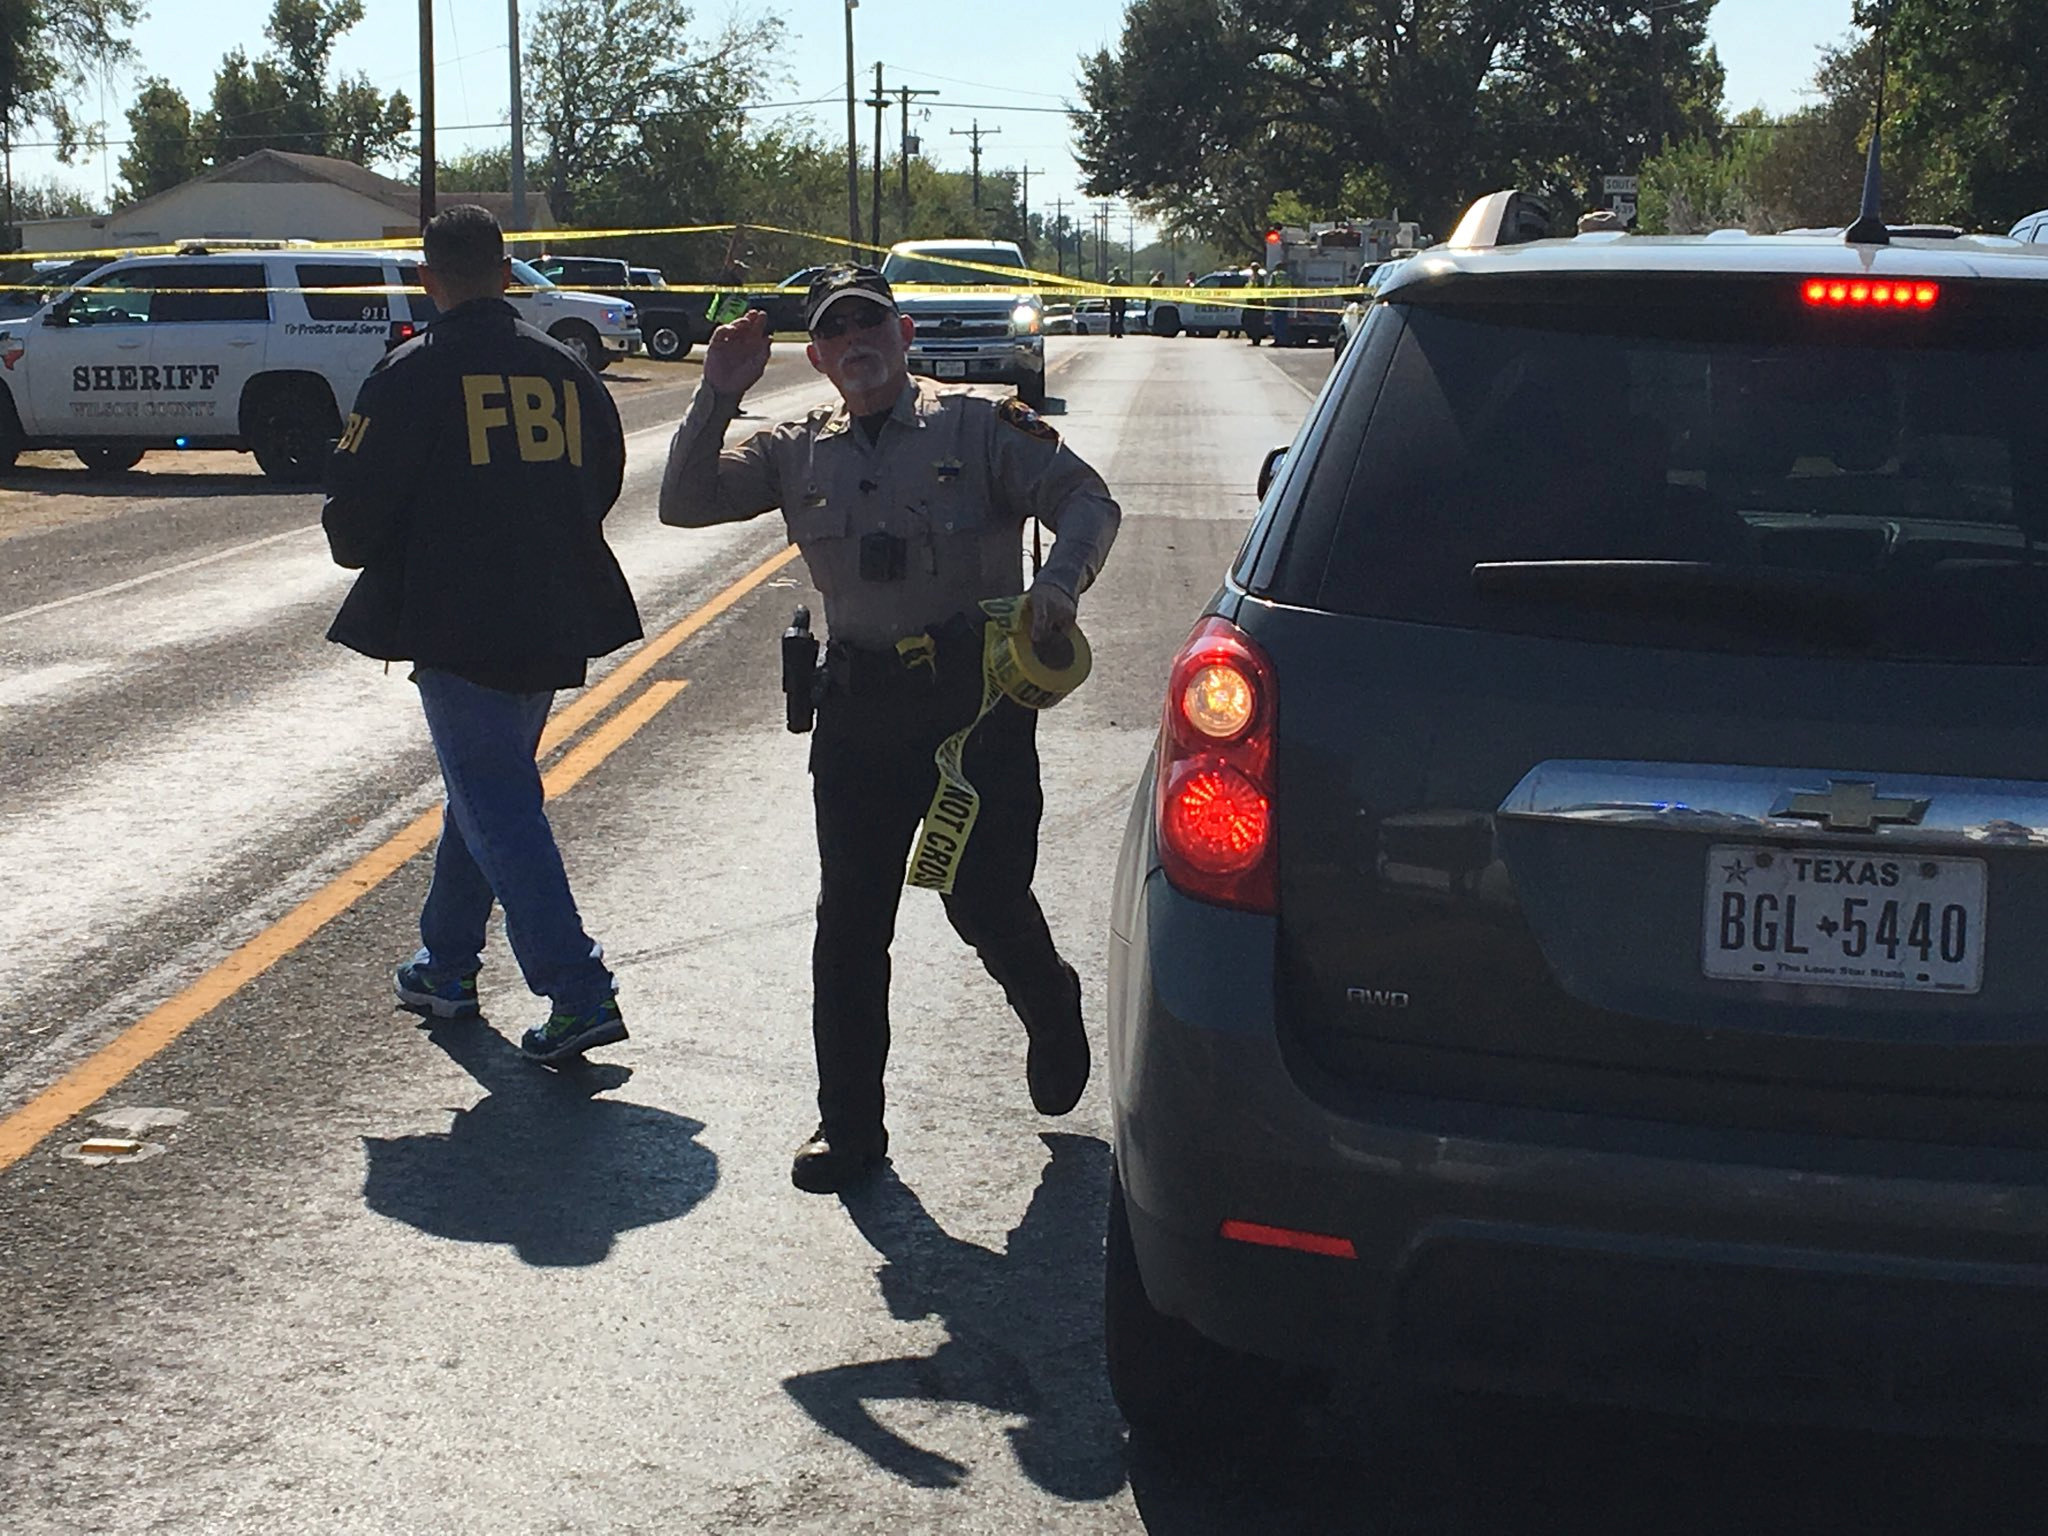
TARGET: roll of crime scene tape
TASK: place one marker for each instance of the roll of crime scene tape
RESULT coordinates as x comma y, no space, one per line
1011,668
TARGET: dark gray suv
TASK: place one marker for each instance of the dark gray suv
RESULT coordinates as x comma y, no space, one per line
1582,933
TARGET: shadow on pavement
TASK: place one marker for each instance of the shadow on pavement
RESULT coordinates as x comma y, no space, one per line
541,1163
1024,1331
1492,1468
166,486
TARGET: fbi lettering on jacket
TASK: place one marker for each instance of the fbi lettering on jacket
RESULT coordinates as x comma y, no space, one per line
152,378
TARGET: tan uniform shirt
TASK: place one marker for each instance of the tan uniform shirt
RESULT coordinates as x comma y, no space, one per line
954,474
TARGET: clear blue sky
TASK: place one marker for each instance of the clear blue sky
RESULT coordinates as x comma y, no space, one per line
986,66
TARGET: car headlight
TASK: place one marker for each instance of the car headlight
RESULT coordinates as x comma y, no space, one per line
613,317
1025,319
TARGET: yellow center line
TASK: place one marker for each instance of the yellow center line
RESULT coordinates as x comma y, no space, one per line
99,1074
598,698
609,737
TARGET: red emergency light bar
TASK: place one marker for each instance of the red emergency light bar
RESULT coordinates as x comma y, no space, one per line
1869,293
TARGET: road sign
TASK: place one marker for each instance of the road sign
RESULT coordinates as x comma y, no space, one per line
1621,186
1625,206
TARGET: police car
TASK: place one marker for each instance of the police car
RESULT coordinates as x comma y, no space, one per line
254,346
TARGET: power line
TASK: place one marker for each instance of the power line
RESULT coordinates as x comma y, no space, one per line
979,85
607,122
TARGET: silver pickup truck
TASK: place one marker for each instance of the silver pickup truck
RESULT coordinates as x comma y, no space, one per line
992,334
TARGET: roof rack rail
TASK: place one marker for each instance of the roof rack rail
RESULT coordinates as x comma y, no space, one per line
206,245
1501,218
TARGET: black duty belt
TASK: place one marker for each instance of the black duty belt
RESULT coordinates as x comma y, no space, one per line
913,666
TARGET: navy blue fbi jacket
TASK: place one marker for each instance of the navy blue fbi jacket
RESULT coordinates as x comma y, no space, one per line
470,487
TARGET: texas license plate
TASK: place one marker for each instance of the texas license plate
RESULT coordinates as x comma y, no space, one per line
1822,917
951,370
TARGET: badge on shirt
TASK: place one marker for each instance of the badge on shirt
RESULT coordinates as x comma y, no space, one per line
1016,413
948,470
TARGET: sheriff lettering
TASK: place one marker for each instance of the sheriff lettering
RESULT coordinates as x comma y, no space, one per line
152,377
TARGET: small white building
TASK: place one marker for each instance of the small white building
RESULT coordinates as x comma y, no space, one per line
271,194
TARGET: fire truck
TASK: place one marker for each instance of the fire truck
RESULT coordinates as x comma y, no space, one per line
1336,256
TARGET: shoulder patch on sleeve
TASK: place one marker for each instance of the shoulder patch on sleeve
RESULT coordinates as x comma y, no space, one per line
1015,413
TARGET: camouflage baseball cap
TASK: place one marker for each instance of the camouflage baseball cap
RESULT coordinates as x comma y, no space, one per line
833,284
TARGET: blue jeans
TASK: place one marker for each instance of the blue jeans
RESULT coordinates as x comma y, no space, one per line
496,842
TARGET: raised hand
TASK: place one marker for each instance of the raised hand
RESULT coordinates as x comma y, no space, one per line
738,354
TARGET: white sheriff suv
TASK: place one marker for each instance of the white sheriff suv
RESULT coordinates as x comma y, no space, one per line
256,346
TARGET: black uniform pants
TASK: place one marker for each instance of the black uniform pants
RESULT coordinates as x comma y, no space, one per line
872,779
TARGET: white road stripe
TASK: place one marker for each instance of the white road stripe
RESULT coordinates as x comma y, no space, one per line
170,570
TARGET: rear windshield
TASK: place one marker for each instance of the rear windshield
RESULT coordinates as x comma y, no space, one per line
1733,472
960,267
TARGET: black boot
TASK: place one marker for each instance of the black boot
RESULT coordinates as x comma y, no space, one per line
828,1163
1056,1066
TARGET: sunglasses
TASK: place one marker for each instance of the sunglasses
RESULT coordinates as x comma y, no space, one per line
849,318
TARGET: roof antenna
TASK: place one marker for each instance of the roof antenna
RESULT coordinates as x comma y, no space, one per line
1869,228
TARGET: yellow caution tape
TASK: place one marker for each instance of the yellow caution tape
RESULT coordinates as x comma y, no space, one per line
1059,283
1011,668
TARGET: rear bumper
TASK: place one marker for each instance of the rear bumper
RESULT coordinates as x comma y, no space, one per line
1604,1260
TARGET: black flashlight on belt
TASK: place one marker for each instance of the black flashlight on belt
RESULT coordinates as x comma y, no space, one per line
799,671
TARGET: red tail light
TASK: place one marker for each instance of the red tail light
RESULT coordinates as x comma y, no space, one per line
1215,790
1870,293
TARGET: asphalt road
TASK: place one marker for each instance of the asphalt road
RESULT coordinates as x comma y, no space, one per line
376,1277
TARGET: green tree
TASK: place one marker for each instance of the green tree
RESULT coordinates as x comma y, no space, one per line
247,108
1208,109
475,170
48,198
1804,169
607,114
162,149
1968,99
283,100
365,126
49,49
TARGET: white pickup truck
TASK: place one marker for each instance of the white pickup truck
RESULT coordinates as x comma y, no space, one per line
994,332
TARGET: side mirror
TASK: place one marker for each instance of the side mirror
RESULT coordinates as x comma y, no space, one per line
58,313
1270,468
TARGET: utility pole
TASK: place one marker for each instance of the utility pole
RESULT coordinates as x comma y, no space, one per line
1024,195
518,122
426,111
878,101
852,147
977,133
903,94
1102,242
1059,244
1131,246
1657,53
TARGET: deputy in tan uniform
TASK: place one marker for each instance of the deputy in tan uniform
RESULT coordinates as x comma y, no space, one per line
908,503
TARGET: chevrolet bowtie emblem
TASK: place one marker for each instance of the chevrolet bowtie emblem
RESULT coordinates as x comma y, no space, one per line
1848,805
